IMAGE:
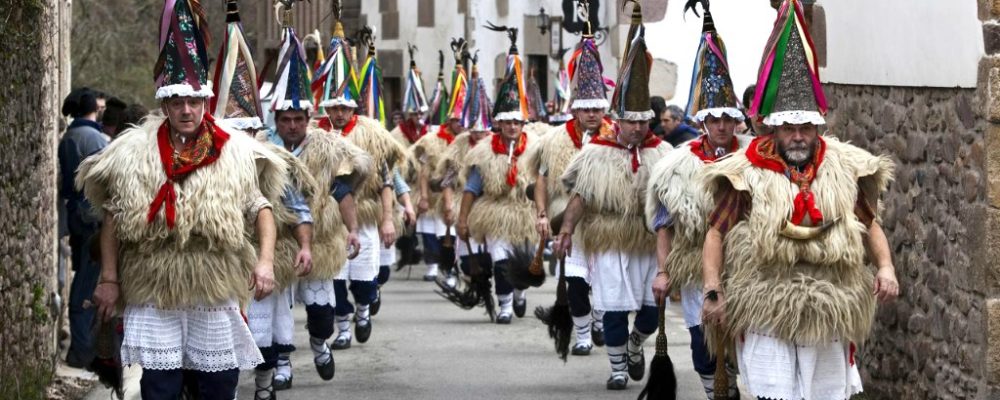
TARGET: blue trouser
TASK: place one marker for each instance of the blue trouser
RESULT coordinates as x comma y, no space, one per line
82,289
616,324
578,292
168,384
270,355
383,275
432,248
703,363
319,318
364,293
500,281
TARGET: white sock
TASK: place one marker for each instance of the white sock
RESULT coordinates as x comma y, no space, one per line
582,325
635,341
344,326
321,353
263,378
432,269
708,383
616,354
450,281
506,303
363,315
520,296
284,365
598,319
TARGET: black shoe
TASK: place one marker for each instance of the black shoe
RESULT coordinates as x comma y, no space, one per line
597,335
377,304
341,343
326,371
264,393
520,308
638,369
430,278
285,383
582,349
363,332
617,382
503,319
76,361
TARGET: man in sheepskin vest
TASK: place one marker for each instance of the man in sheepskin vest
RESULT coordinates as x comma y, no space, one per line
787,262
424,156
607,184
553,155
378,219
477,120
181,198
495,210
677,204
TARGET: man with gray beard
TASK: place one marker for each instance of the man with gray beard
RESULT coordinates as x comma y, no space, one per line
795,258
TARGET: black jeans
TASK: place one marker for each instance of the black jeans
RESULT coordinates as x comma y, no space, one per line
169,384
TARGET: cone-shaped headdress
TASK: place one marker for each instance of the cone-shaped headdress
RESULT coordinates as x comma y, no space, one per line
459,89
440,98
291,84
512,102
788,85
371,103
414,99
630,100
237,97
478,113
182,67
711,86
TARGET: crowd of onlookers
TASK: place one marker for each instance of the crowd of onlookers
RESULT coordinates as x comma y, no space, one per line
94,119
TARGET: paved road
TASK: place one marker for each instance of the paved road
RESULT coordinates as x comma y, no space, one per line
423,347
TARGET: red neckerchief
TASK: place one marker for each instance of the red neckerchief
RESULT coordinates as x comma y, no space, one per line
325,124
176,170
350,125
499,148
445,134
763,153
703,148
410,131
649,142
328,126
577,136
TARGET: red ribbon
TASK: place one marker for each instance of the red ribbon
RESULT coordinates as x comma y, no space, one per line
762,153
702,147
166,197
443,133
649,142
499,148
410,131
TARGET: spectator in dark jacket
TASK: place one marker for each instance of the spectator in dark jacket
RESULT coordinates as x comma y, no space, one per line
677,131
83,137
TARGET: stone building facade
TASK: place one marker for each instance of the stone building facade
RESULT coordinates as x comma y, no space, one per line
34,64
940,339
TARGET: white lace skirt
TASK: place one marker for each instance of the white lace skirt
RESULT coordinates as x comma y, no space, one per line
622,282
431,224
271,321
364,267
691,302
202,338
778,369
316,292
577,263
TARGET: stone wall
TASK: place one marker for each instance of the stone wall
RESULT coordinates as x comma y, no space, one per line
931,343
28,60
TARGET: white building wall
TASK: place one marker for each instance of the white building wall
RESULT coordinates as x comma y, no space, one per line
936,43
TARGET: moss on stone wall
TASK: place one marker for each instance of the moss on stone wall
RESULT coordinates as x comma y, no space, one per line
27,198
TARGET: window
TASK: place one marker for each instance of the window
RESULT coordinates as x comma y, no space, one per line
425,13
